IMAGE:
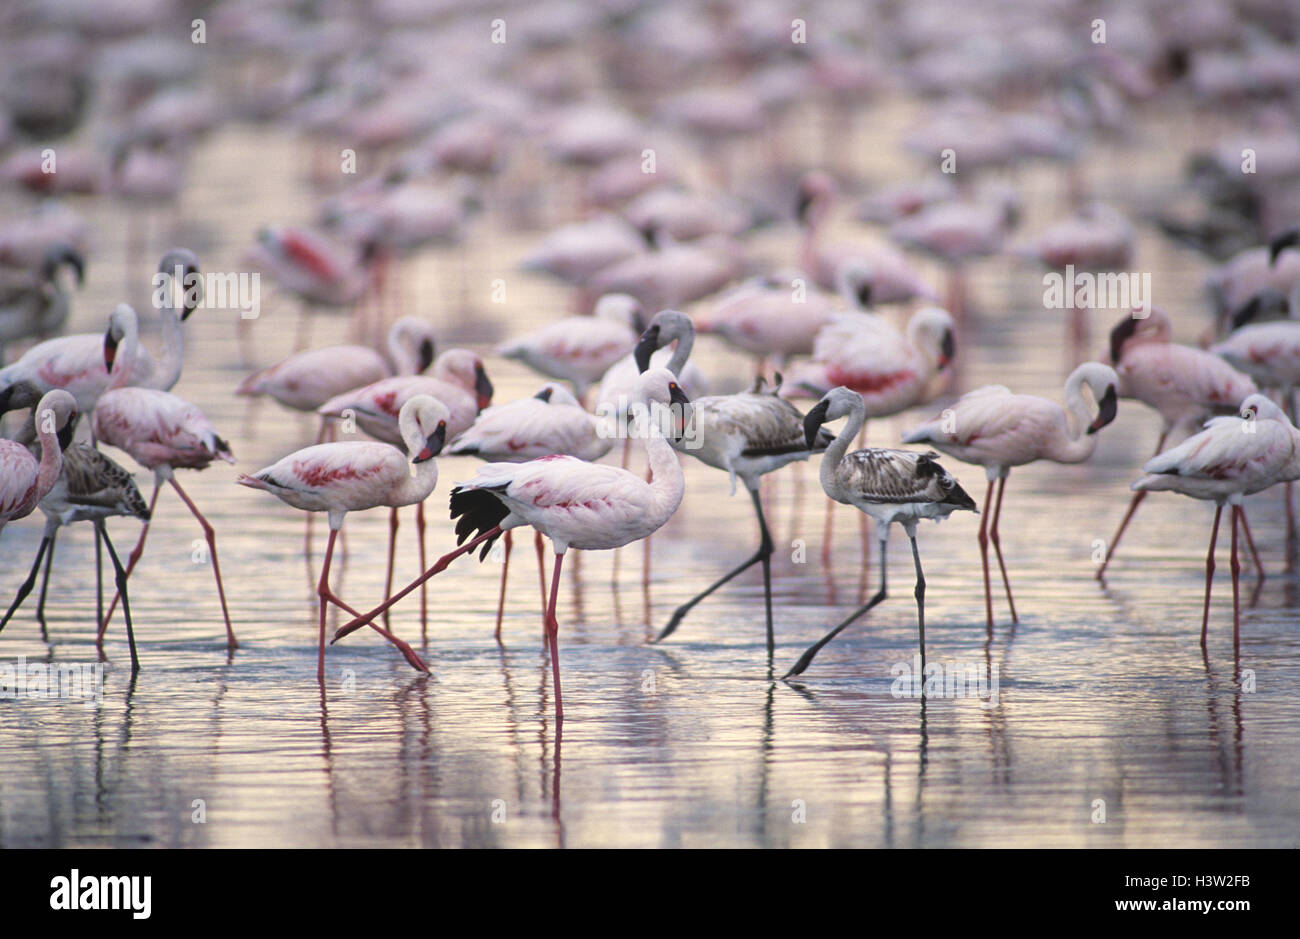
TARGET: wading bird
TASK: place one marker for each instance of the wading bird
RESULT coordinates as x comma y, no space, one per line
25,480
998,430
1230,459
588,506
889,485
355,475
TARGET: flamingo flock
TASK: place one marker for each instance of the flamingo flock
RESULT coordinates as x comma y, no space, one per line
696,288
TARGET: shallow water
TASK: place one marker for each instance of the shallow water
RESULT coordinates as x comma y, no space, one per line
1101,695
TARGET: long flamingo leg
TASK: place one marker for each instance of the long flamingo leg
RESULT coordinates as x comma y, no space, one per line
806,659
919,593
421,530
541,565
553,637
997,547
1209,573
438,566
1235,565
134,556
210,534
505,570
1250,543
1128,516
26,587
392,556
331,597
984,555
763,555
322,589
45,578
119,573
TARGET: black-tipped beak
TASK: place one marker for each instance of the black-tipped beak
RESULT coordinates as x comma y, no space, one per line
1107,408
110,350
646,346
947,349
638,321
801,206
426,356
67,431
191,303
78,264
1288,239
432,444
863,294
1121,334
482,386
813,421
544,395
1247,312
676,395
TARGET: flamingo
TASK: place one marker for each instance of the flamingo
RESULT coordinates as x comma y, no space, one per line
589,506
25,480
891,371
160,431
747,436
580,349
1230,459
550,422
458,380
76,362
1182,383
893,279
993,428
91,487
38,305
355,475
889,485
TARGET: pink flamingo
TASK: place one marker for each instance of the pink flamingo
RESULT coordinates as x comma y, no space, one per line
1182,383
772,317
458,380
550,422
24,480
160,431
1229,460
355,475
892,277
993,428
76,363
589,506
580,349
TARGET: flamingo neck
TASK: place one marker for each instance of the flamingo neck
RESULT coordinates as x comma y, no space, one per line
168,368
840,445
51,464
418,486
124,361
667,484
1074,445
680,354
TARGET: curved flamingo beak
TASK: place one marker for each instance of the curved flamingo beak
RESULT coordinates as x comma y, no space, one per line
482,387
110,350
646,346
947,350
1107,408
432,444
813,422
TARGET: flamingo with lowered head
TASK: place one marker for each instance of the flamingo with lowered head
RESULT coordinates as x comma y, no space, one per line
998,430
589,506
25,480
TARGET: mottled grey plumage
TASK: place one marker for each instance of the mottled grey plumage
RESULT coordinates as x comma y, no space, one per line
881,475
93,481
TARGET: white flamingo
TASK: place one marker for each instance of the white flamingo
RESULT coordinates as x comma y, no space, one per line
550,422
998,430
162,432
355,475
580,349
1230,459
589,506
889,485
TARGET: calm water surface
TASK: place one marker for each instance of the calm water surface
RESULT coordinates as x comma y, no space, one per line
1102,694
